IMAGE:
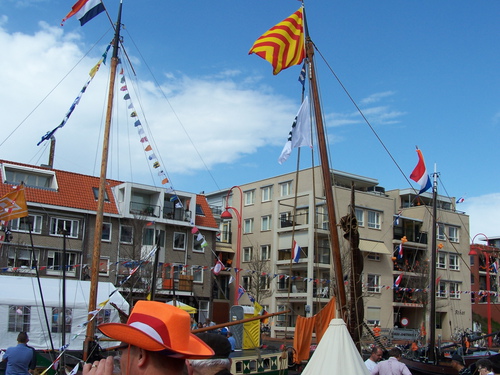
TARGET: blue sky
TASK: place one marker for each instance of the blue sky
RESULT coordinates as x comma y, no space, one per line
424,73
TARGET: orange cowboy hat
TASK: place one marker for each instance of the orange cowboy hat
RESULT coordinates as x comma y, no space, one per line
156,326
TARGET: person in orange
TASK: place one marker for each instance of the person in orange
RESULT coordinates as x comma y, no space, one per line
376,330
414,348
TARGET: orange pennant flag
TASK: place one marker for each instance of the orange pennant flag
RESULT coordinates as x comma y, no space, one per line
13,204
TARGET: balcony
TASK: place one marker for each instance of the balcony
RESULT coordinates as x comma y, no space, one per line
144,209
184,284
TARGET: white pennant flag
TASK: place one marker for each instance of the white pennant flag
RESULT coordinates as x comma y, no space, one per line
300,135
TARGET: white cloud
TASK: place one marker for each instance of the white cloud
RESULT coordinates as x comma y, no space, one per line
221,117
377,97
484,213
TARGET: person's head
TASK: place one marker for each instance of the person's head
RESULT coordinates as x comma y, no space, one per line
484,366
457,362
229,333
220,359
22,338
157,336
376,354
395,352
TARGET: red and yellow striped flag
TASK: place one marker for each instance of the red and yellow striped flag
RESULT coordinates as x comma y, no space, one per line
283,44
13,204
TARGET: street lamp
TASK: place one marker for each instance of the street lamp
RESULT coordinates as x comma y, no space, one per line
226,215
485,251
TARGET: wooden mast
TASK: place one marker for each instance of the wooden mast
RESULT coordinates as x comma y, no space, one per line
328,183
432,281
96,253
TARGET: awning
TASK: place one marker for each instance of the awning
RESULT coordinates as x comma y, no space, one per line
224,249
373,247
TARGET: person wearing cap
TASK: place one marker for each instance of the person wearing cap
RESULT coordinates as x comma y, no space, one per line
156,339
458,364
219,364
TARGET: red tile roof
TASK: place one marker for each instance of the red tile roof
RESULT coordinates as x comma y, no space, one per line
74,190
208,220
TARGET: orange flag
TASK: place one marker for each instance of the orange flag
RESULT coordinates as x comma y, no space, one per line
13,204
283,44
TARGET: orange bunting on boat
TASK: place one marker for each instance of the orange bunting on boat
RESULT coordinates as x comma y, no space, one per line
148,148
164,181
283,44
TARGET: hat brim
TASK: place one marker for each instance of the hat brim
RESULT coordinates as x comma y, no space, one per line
133,336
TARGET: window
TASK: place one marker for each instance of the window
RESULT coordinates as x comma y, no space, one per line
249,197
374,219
104,266
103,316
106,232
441,260
265,252
360,217
246,282
179,241
57,320
265,223
19,318
441,235
126,233
197,273
248,226
31,177
282,317
23,224
455,290
286,188
58,226
56,263
322,217
247,254
373,283
373,256
199,243
373,315
441,290
96,194
21,258
453,234
225,232
267,193
199,210
263,282
173,271
454,262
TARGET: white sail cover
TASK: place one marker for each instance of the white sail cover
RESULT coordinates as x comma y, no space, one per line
336,352
21,294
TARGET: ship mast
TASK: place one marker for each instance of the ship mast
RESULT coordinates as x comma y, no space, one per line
432,281
96,252
328,183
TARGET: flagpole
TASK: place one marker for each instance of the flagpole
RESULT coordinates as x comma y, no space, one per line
96,255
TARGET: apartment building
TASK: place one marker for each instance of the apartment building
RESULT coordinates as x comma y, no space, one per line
276,212
62,211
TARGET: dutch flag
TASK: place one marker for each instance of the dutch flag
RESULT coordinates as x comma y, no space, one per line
420,175
296,252
398,281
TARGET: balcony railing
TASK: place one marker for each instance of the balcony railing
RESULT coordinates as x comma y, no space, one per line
144,209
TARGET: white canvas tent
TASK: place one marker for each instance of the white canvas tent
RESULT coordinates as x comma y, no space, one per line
336,350
17,292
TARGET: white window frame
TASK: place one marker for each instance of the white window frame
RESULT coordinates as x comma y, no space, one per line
56,324
282,317
19,322
360,216
17,257
442,290
286,188
174,240
441,232
267,193
441,260
122,227
375,286
246,282
197,273
109,232
249,197
247,254
373,312
453,234
197,248
56,269
265,223
56,222
454,262
264,282
265,252
248,226
374,219
21,224
104,263
454,290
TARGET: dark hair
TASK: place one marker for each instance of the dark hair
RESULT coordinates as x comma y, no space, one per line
395,352
486,363
22,337
375,349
